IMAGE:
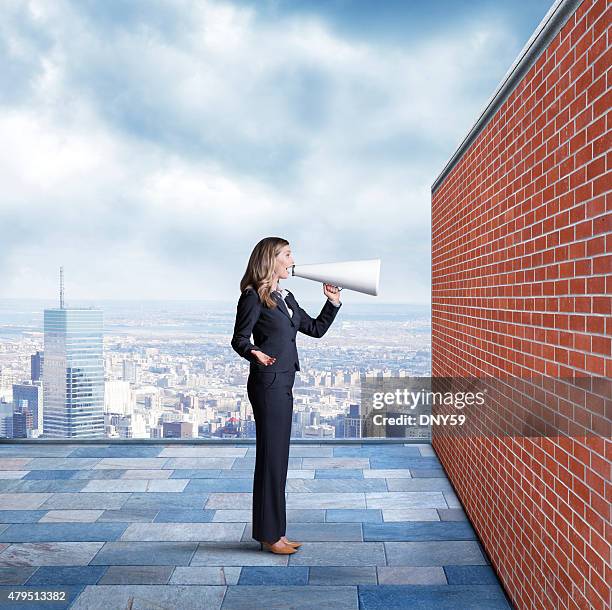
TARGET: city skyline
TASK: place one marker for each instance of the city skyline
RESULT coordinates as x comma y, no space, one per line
164,373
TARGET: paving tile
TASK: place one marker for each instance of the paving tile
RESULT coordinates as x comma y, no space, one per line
429,575
306,451
427,451
15,463
339,486
219,485
23,501
184,515
390,451
49,474
451,514
116,485
342,575
230,500
50,553
387,473
196,473
135,575
106,501
35,450
274,575
245,597
74,516
318,532
231,516
406,499
121,451
202,575
199,463
153,532
339,554
136,473
214,451
338,473
419,531
15,575
418,484
101,474
129,515
451,499
127,463
434,553
13,474
335,462
305,515
59,463
235,554
239,474
62,532
301,474
428,473
123,553
326,500
434,597
348,515
158,597
470,575
164,500
167,486
54,576
378,461
410,514
21,516
41,486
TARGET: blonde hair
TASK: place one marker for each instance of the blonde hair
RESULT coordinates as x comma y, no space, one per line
259,273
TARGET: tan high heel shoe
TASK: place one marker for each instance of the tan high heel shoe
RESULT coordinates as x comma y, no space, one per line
294,544
282,549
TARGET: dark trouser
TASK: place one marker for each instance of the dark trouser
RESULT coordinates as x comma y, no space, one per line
271,396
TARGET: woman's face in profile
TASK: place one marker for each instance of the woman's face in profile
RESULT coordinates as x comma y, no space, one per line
284,259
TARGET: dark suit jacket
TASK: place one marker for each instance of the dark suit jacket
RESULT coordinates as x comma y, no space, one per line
274,331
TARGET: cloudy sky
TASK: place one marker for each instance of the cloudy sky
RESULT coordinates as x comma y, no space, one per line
149,145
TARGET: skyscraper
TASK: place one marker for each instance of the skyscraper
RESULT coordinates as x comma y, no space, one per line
27,397
73,373
37,363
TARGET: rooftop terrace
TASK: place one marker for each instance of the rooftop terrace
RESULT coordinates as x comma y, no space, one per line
168,526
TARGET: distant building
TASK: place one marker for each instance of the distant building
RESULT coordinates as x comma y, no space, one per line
28,403
118,397
73,373
177,429
36,366
353,423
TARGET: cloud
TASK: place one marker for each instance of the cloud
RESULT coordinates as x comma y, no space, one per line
151,145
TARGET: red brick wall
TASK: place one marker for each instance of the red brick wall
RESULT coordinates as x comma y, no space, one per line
521,285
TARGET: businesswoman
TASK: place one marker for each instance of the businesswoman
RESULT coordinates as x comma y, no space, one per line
272,315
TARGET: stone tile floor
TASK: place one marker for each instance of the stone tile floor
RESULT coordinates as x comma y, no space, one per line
168,526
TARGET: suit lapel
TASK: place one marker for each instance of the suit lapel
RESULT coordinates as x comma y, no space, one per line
281,304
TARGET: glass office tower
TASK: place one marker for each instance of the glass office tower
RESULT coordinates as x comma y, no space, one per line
73,374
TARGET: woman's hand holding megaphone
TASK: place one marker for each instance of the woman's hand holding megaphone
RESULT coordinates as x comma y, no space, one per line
332,293
263,358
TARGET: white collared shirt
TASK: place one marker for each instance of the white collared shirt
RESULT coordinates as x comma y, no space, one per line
283,292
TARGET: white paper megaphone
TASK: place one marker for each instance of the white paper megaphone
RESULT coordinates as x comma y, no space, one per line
361,276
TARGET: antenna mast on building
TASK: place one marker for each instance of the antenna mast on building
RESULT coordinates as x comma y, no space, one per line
61,288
